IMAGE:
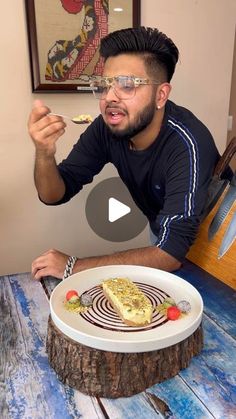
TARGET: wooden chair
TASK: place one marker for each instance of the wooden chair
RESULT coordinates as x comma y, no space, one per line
204,252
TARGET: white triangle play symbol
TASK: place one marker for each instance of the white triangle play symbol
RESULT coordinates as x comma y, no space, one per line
116,209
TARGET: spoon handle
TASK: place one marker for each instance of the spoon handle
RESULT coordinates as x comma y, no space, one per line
58,114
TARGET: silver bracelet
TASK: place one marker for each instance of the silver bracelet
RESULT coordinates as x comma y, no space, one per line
69,266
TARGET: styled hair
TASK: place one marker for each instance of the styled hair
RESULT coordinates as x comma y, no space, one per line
158,51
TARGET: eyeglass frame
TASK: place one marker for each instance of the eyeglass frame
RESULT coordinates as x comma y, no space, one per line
138,81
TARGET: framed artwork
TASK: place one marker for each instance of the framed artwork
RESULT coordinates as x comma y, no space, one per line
64,38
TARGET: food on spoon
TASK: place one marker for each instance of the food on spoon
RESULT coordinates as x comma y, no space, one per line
129,302
82,119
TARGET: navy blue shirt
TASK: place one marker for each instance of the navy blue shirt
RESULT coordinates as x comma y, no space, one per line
168,181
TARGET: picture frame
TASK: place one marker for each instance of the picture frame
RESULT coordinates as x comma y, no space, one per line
64,38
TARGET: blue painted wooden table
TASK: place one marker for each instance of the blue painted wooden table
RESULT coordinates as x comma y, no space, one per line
29,388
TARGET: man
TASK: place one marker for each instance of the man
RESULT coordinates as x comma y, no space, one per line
162,152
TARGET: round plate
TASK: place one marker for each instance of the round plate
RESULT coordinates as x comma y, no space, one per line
101,328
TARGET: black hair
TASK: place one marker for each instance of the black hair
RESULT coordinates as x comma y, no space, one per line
159,52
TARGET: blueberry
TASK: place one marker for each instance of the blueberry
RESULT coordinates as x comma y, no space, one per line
86,300
184,306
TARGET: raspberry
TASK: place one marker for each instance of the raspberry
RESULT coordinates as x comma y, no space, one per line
173,313
72,296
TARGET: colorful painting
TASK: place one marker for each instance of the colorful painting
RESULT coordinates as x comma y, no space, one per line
64,39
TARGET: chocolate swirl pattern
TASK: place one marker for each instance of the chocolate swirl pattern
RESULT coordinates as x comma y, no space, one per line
101,314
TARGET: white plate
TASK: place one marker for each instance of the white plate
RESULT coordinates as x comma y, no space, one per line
101,328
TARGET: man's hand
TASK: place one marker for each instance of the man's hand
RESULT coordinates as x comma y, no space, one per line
50,263
45,129
53,262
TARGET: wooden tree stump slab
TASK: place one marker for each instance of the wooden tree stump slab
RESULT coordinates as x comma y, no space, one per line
111,374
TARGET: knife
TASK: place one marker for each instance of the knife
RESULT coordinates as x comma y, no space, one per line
218,185
223,209
229,237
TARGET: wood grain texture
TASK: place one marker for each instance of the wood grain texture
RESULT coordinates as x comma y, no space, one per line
8,338
182,402
112,374
218,298
213,373
208,387
204,253
135,407
29,388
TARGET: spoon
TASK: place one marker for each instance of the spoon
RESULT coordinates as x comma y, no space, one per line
79,119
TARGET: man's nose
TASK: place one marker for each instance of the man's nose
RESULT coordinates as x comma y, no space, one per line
111,95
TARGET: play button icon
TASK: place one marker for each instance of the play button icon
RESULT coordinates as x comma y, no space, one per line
117,210
112,213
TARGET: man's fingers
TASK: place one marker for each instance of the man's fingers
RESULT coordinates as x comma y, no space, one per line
44,131
51,262
38,112
38,103
41,273
45,121
38,264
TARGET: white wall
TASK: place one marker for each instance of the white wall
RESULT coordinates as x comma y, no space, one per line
204,33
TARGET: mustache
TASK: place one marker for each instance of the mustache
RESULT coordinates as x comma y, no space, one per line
114,108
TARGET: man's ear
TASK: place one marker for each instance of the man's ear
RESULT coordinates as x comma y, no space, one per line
163,92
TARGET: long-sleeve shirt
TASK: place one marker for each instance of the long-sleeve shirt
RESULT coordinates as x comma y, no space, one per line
168,181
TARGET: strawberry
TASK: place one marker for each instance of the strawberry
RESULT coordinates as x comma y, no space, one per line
173,313
72,296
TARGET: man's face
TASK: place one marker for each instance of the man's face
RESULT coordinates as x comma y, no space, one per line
126,118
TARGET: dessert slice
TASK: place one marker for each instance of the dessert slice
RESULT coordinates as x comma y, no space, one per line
129,302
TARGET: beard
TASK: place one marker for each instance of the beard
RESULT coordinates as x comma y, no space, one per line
141,121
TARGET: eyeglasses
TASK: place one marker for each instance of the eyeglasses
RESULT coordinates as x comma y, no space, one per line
123,86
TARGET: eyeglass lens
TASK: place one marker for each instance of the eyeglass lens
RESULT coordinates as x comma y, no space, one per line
123,86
